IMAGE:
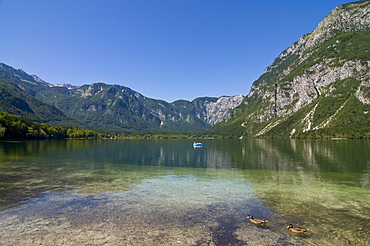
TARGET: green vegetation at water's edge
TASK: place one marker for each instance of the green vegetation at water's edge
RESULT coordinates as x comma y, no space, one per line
15,127
154,136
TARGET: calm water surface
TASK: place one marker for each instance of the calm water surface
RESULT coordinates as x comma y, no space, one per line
154,192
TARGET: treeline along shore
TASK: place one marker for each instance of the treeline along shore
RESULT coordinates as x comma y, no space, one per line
15,127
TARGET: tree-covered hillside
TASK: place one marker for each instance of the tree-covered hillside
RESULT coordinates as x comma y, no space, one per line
105,107
317,88
16,101
15,127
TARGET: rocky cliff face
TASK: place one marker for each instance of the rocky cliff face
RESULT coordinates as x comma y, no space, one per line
312,81
216,112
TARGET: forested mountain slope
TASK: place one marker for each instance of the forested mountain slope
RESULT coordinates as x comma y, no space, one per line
317,87
105,107
14,100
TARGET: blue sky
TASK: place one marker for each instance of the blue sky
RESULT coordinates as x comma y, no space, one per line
163,49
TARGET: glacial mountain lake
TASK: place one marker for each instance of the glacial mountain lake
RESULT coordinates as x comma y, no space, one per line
165,192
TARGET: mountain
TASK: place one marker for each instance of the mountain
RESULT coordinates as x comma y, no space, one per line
15,100
103,107
317,87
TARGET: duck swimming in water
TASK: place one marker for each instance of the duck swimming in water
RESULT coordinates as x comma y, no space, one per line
257,221
297,229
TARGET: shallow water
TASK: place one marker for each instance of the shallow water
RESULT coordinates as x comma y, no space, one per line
151,192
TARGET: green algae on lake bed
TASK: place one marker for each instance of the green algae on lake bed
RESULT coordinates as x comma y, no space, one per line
167,193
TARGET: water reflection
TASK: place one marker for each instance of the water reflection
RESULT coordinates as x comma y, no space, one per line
313,155
317,184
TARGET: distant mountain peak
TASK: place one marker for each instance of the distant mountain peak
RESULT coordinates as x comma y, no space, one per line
64,85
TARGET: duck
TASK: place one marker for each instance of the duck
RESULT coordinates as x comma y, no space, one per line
257,221
297,229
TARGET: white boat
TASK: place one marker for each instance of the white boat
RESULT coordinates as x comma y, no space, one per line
197,144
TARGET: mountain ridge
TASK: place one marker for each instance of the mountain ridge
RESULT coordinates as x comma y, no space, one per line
319,87
101,106
309,86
